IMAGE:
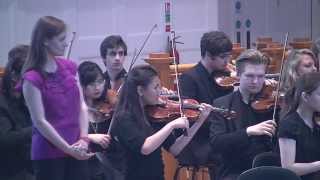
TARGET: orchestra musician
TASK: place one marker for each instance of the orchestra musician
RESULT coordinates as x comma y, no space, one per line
92,82
56,105
113,51
298,132
299,62
15,121
111,165
137,134
198,83
240,139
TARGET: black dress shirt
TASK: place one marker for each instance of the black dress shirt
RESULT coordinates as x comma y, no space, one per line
228,137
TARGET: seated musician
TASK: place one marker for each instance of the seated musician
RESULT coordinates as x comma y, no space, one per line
299,62
315,48
141,140
113,51
299,133
240,139
198,83
100,112
15,121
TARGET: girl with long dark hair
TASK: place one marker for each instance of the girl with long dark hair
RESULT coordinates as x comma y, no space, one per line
136,133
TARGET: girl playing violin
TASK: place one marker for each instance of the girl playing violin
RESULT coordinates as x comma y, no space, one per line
135,132
92,82
100,112
299,134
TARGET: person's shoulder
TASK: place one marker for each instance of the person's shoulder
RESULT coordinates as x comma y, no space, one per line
192,70
292,118
290,125
223,100
33,75
68,64
191,74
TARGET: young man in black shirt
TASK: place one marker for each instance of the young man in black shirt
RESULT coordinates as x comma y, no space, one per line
198,83
240,139
113,51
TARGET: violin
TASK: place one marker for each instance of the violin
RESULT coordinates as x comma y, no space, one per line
169,110
106,107
266,100
227,82
272,98
227,79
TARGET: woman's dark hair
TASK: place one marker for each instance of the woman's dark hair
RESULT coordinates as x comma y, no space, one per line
46,28
306,83
16,58
88,73
129,99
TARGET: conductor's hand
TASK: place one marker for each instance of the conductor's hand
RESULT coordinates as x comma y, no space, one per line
264,128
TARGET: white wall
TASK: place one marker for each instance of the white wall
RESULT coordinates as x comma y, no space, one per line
315,19
268,17
95,19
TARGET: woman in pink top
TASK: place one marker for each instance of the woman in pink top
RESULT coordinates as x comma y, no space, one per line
56,105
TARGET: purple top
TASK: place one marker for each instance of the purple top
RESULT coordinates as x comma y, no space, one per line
61,101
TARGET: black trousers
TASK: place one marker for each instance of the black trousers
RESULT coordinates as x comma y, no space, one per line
61,169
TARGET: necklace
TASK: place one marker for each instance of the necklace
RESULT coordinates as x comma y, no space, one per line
94,126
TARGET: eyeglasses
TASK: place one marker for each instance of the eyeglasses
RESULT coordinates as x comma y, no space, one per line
225,55
97,83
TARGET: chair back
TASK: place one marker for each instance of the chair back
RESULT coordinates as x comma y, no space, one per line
267,159
268,173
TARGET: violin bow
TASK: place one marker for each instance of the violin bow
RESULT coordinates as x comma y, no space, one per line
133,60
280,76
136,55
172,37
70,45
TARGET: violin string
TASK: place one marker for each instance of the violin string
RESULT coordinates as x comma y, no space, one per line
281,76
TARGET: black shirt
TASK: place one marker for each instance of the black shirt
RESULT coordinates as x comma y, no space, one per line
307,139
15,137
199,84
121,75
228,137
114,164
132,137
